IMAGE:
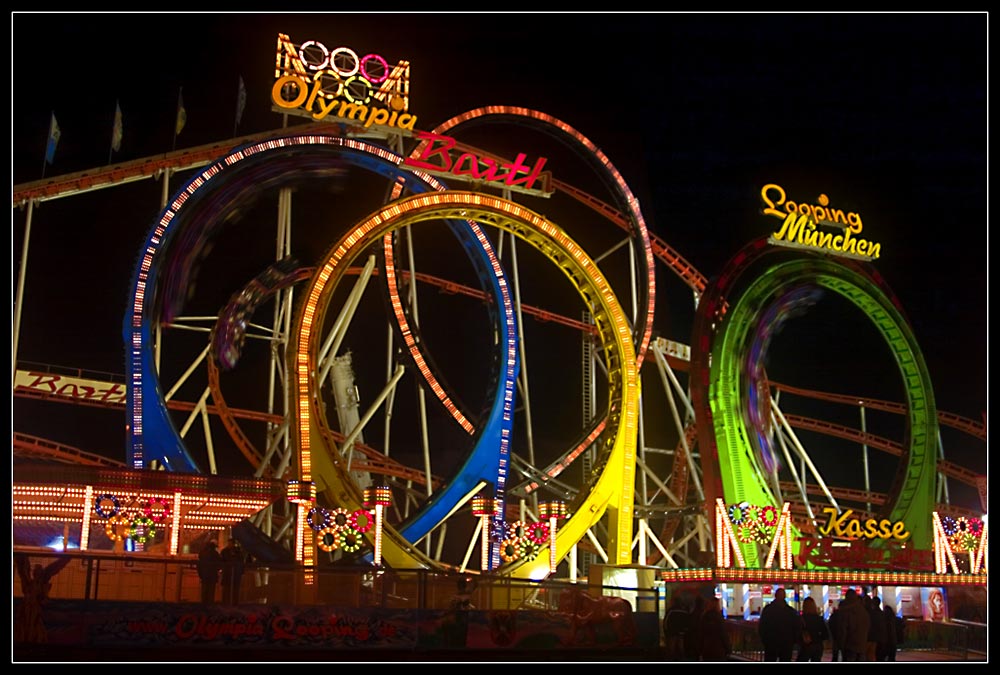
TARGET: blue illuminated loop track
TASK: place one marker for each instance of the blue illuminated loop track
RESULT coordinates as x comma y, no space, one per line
186,226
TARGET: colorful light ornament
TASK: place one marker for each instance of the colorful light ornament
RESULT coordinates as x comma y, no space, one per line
301,492
725,539
318,518
107,505
339,518
746,523
349,540
517,530
511,549
157,509
484,508
142,530
111,528
538,532
553,511
781,544
738,513
959,535
361,521
377,497
327,539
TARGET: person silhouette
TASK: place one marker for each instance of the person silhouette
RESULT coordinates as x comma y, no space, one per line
714,637
676,624
209,566
780,627
233,562
811,649
36,583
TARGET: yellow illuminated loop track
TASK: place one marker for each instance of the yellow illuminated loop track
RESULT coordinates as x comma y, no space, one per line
611,486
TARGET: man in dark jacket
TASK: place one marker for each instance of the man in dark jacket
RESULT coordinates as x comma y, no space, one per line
852,627
233,562
780,627
676,624
892,631
209,566
834,625
878,629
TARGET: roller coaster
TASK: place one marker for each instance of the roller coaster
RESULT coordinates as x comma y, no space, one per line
273,363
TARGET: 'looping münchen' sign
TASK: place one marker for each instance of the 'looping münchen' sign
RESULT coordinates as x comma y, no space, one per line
799,229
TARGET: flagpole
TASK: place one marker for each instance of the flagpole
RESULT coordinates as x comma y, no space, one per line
21,273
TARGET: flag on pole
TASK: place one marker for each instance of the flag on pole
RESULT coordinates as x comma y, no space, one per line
241,101
182,115
54,134
116,131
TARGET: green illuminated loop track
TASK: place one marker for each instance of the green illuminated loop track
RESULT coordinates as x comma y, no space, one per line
728,459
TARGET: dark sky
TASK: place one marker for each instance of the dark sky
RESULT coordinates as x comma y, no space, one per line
883,112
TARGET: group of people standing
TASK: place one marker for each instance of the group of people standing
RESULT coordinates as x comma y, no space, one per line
695,630
225,566
781,628
858,630
865,631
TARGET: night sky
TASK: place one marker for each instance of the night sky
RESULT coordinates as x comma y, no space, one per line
883,112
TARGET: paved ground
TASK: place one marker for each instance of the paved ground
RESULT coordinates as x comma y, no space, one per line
43,654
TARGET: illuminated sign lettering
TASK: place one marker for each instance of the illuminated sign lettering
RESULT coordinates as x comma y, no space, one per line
856,555
314,81
468,165
841,526
799,228
48,384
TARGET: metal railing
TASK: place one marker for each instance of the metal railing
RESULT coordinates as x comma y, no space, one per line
961,639
940,636
147,578
977,637
744,640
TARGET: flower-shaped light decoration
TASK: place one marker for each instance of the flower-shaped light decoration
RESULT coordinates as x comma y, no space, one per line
769,515
361,521
976,526
327,539
107,505
538,532
116,525
511,550
157,510
142,530
318,518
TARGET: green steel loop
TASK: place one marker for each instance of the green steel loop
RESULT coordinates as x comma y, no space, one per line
911,498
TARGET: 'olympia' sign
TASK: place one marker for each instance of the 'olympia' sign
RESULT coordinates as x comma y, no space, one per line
314,81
